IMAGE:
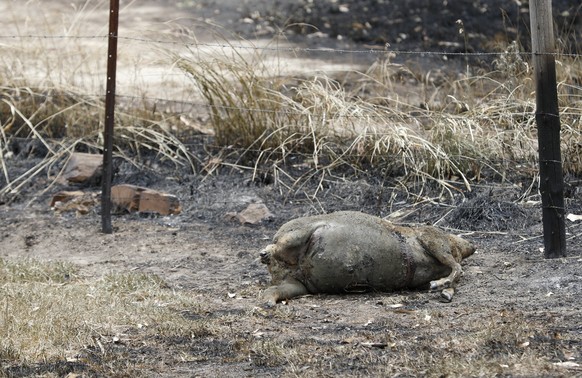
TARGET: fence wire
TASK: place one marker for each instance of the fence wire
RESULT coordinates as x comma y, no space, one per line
379,50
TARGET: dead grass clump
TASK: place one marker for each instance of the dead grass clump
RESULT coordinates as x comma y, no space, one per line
53,115
432,343
267,353
49,313
570,97
60,122
318,117
441,127
30,271
48,113
446,129
505,344
248,109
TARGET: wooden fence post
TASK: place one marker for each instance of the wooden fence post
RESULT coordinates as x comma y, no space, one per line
109,118
548,121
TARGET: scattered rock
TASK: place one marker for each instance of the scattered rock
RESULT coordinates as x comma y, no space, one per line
84,168
567,365
255,213
152,201
126,197
129,198
135,198
65,196
78,201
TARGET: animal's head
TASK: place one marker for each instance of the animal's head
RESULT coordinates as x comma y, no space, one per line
460,248
289,246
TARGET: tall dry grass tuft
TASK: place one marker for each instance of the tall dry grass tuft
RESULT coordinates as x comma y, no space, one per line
248,107
51,113
62,122
429,127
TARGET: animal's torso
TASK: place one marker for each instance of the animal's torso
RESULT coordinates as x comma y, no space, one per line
355,252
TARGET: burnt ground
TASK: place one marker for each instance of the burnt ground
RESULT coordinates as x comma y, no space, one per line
418,25
507,285
507,281
431,25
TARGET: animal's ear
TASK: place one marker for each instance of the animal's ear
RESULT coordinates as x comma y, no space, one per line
288,255
297,235
293,238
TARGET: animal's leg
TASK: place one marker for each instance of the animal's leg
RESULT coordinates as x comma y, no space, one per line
450,280
446,284
437,244
289,288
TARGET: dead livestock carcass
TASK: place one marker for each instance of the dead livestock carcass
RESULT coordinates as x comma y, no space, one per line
350,251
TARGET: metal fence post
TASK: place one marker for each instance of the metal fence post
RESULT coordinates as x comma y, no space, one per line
109,118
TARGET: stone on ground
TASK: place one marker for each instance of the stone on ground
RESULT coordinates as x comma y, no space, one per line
144,200
83,168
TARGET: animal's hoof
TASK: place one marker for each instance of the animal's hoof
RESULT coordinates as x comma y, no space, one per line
441,284
269,297
447,294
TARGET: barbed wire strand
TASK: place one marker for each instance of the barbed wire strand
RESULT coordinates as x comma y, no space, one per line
381,50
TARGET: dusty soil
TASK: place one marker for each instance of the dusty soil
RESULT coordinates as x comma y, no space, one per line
203,252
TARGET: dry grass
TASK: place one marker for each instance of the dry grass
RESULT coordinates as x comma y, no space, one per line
63,123
455,129
411,343
420,126
49,313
